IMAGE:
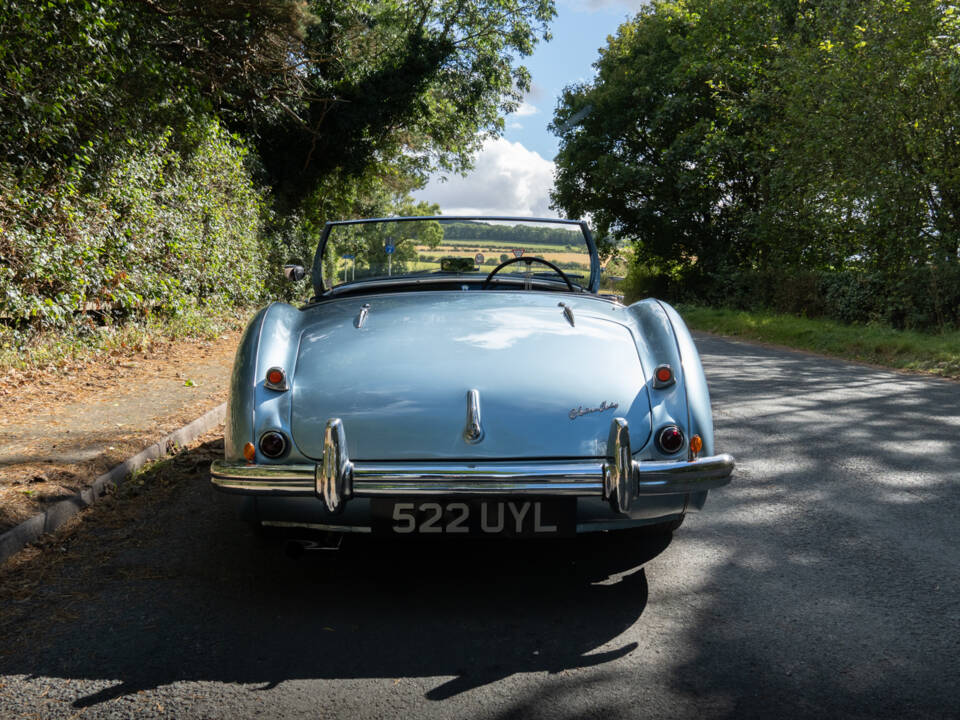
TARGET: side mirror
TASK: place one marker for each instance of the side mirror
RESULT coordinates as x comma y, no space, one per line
294,273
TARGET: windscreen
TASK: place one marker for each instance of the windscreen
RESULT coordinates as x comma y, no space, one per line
398,249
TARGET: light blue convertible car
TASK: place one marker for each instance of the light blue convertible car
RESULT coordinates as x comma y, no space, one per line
462,376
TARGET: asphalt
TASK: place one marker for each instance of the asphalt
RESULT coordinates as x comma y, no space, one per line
824,582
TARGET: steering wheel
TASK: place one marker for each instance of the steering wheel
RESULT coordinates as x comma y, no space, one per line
528,260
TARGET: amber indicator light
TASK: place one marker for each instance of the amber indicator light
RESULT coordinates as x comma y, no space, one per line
249,452
664,374
275,376
696,445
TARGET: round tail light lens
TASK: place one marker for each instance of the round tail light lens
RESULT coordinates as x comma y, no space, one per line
276,379
273,444
670,439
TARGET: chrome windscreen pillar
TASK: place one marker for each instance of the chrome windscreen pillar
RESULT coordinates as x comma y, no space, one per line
618,469
334,475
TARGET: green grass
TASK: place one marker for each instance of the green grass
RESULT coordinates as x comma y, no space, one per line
900,349
55,349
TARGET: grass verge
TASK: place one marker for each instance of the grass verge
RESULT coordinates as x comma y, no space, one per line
54,350
900,349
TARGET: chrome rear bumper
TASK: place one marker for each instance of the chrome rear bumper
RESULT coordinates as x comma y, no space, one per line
335,479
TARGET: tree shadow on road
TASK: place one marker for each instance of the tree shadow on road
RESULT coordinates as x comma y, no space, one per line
833,578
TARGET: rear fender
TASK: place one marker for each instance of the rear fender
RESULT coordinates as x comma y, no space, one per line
270,340
698,395
657,344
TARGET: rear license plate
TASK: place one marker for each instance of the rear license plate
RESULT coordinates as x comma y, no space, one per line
505,518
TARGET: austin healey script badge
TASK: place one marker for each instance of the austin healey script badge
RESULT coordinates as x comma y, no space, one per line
577,412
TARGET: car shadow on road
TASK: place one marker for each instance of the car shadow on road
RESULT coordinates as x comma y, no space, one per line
182,591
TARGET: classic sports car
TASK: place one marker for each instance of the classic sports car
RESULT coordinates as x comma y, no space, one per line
463,376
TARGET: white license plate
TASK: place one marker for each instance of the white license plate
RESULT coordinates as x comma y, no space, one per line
509,518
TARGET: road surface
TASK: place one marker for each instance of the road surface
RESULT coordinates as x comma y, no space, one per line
822,583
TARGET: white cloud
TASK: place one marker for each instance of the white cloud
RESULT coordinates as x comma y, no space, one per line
507,179
525,109
515,126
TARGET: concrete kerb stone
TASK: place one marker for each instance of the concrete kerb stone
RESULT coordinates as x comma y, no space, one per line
16,538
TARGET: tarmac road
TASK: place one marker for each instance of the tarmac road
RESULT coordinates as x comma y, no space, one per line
822,583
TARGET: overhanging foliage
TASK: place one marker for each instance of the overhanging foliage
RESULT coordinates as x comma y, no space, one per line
771,136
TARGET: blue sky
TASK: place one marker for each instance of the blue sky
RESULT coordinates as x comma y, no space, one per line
514,174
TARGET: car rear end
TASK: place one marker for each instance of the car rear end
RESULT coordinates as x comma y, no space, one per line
495,414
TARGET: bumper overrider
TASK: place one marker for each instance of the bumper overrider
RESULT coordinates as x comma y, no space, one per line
619,479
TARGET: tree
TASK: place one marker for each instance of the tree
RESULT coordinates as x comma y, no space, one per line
398,88
651,148
763,134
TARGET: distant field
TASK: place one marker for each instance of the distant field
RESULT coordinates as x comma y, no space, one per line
492,252
498,245
420,266
560,255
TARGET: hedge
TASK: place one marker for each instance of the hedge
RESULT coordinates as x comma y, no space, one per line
175,221
925,298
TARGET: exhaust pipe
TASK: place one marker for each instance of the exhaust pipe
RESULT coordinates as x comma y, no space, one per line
328,541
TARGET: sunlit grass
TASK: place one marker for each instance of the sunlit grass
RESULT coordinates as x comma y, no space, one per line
938,354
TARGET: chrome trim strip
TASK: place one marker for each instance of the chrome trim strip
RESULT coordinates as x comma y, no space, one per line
317,526
473,431
455,218
336,479
408,479
469,488
481,472
285,475
664,477
567,313
386,283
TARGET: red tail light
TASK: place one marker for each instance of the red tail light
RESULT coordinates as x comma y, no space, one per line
663,376
670,439
276,379
273,444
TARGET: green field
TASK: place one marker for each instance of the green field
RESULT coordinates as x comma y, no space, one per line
498,246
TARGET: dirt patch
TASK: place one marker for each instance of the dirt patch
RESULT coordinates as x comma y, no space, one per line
58,432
